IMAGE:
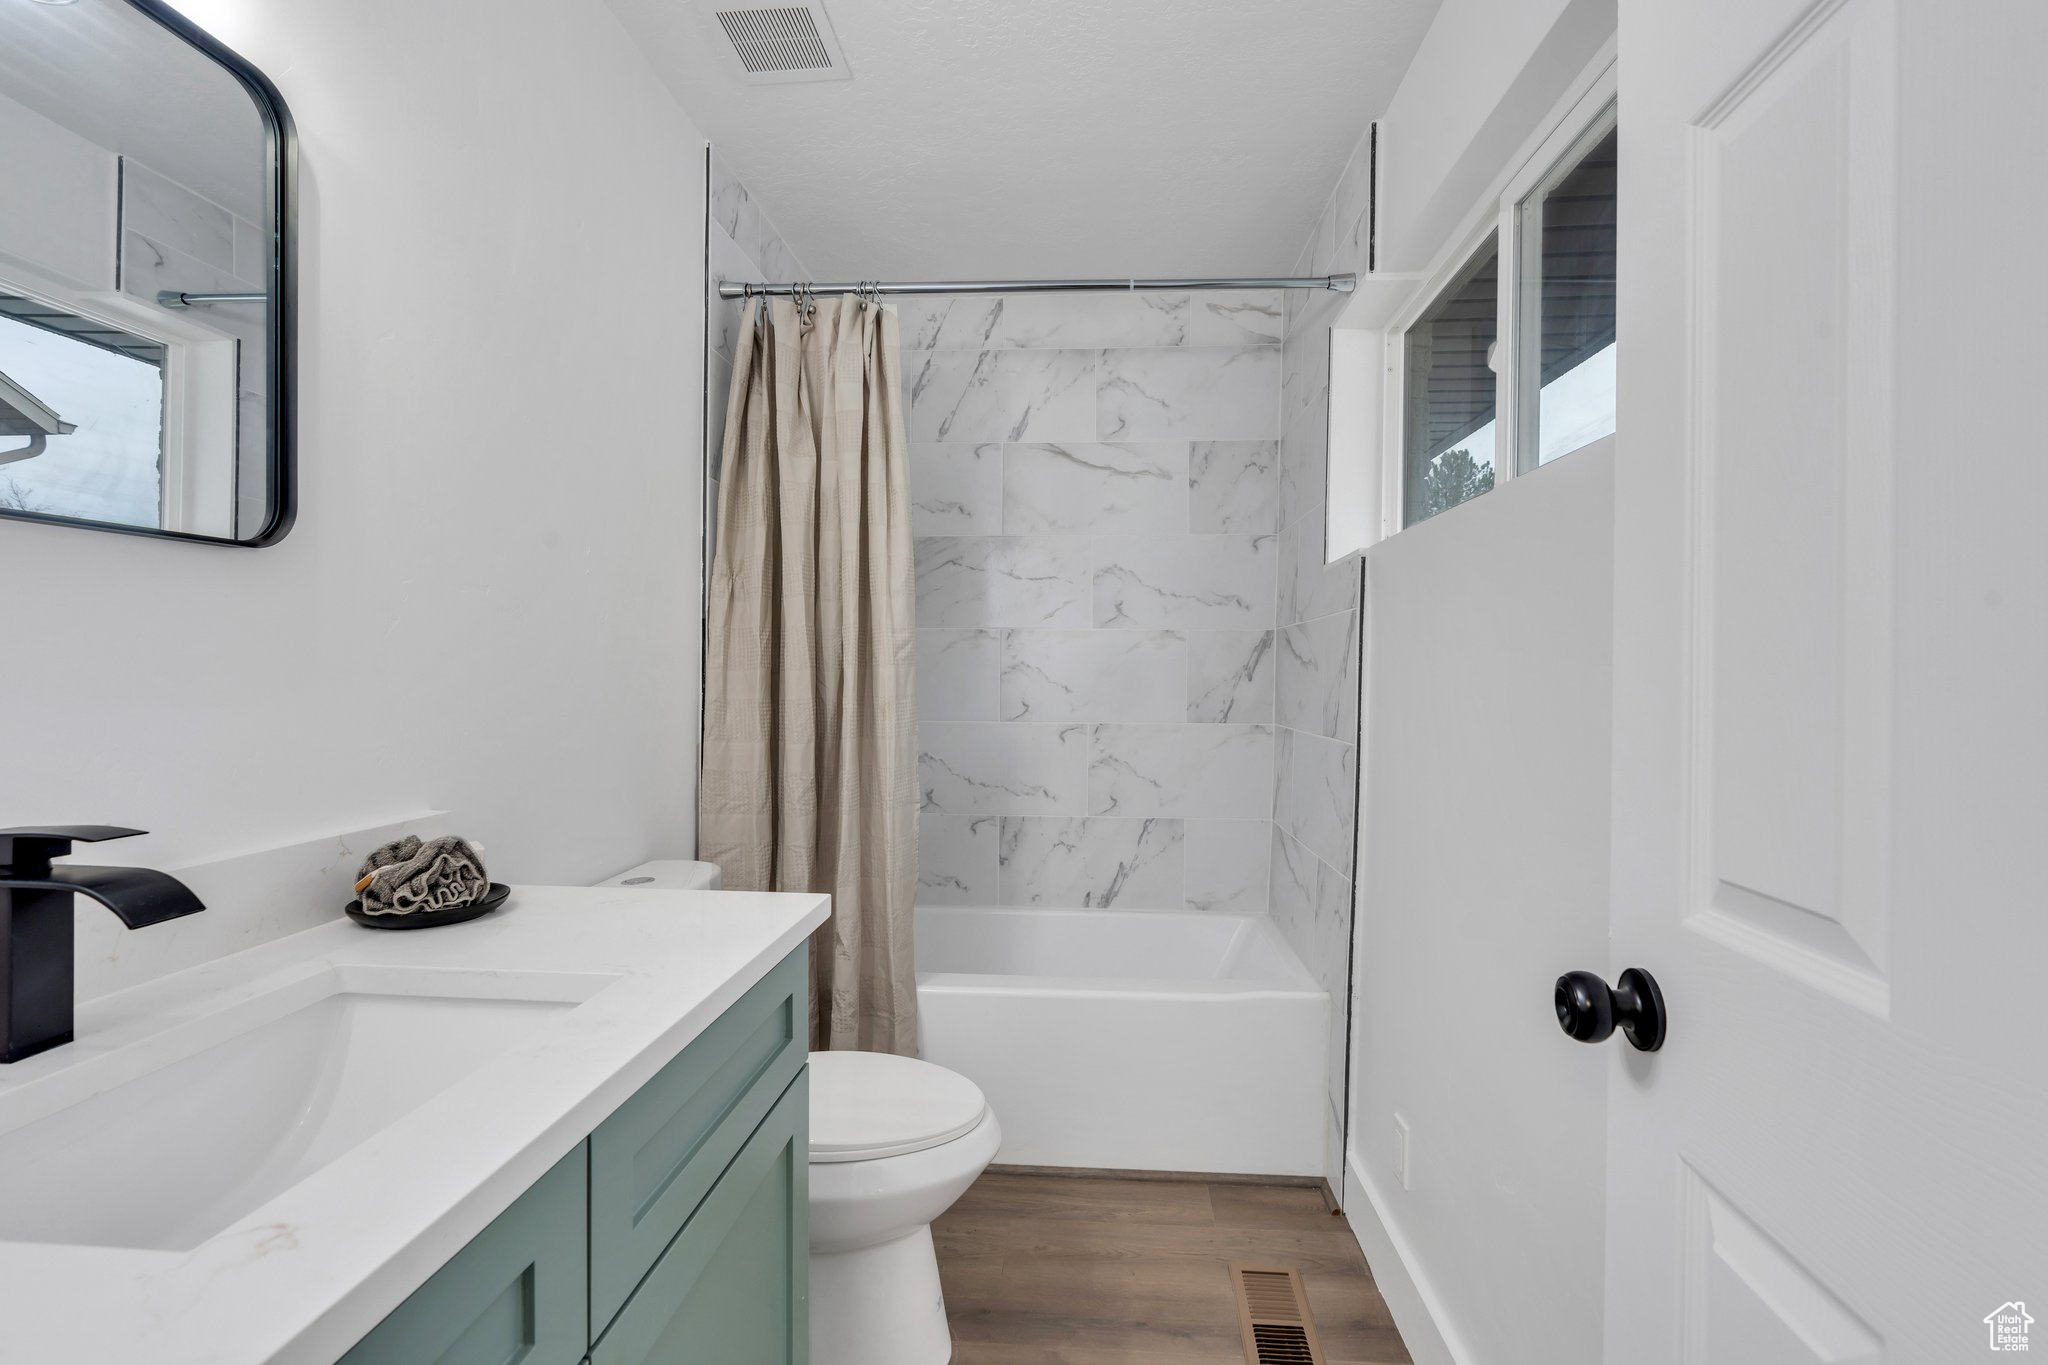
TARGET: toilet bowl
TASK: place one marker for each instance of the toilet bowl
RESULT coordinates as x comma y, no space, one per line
894,1141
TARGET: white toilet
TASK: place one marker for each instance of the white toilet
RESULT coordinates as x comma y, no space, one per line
894,1141
670,874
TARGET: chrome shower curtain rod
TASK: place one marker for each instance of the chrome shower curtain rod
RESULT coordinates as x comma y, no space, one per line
1342,284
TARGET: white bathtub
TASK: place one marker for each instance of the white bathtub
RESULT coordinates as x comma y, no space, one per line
1130,1039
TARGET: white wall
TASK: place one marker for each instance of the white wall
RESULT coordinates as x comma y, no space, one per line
1484,877
490,603
66,228
1487,73
1484,76
1478,882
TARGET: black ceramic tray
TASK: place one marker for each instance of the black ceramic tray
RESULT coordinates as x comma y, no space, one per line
428,919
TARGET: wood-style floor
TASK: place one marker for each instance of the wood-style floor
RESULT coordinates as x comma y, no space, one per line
1066,1270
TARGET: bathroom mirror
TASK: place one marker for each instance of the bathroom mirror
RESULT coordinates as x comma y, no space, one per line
146,307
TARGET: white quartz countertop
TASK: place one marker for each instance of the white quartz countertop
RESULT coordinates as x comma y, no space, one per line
304,1276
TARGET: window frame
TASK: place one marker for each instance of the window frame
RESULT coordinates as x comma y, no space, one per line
1588,114
201,403
1552,162
1445,283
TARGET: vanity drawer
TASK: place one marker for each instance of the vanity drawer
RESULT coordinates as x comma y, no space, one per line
655,1159
518,1292
733,1288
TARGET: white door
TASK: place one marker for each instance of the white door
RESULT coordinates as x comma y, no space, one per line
1830,836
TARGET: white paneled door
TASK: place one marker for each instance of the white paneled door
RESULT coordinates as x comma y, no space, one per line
1830,834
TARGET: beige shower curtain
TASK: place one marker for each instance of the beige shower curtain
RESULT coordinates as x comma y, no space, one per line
810,759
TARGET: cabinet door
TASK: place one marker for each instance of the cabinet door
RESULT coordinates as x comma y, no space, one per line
733,1287
517,1295
654,1160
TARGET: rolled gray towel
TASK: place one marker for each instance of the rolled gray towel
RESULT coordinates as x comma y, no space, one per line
409,876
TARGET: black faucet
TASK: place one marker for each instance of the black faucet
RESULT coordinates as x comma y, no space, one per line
36,928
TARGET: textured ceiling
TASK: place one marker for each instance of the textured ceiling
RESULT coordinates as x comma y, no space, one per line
1027,138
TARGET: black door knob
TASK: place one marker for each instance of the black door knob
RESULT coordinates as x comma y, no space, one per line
1588,1009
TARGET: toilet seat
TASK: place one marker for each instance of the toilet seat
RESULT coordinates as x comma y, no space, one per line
869,1105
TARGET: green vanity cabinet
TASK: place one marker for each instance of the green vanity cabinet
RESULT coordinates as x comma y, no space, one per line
678,1233
517,1293
730,1290
653,1161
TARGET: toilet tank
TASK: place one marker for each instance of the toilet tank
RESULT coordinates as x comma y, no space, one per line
670,874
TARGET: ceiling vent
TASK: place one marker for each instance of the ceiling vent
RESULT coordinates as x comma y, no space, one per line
778,45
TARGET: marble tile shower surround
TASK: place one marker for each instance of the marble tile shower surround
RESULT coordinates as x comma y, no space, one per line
742,246
1319,616
1097,504
1127,683
1116,762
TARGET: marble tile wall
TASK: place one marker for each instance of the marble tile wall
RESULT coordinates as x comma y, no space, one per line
1316,677
742,246
1097,502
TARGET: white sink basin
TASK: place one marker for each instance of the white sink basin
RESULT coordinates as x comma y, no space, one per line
164,1142
254,1160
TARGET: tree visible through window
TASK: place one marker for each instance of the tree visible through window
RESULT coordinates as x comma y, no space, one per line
1454,477
1479,405
1449,417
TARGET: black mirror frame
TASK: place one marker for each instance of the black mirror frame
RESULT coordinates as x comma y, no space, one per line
283,358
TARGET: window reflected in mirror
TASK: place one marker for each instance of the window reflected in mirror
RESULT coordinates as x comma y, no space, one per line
84,404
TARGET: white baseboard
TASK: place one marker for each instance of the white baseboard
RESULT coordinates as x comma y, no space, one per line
1419,1312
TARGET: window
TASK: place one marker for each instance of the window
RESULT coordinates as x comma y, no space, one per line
1449,406
1567,233
81,416
1507,359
